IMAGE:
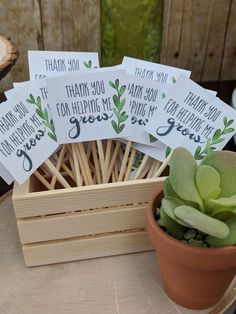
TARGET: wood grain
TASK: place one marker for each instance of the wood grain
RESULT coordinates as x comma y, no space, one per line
81,198
197,35
125,284
20,20
229,58
81,223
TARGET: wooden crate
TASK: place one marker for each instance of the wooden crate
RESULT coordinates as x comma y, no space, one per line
82,222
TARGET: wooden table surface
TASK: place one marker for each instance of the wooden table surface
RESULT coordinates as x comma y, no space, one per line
126,284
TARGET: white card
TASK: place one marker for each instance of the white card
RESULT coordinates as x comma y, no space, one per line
144,97
191,117
90,107
27,135
44,64
5,174
153,71
158,153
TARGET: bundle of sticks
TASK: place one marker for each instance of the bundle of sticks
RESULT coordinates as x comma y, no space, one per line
97,162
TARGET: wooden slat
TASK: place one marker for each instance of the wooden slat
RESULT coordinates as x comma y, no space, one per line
86,197
216,40
172,26
194,37
20,20
81,223
78,249
71,25
228,71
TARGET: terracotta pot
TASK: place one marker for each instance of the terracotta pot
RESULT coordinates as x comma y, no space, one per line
193,277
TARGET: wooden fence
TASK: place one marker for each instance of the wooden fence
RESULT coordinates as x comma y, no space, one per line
195,34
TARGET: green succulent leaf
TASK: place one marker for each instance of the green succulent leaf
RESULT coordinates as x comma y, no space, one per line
224,201
229,240
207,179
172,226
225,164
183,169
201,221
168,205
213,194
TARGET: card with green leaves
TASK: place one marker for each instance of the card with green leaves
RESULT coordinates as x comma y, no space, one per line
191,117
144,99
43,64
27,133
90,106
153,71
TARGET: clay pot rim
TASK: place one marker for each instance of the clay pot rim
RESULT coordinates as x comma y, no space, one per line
174,242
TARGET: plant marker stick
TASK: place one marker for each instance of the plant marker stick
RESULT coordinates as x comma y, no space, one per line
130,164
144,172
124,161
43,180
141,167
101,158
151,169
54,170
96,163
64,167
157,166
85,163
113,160
59,164
163,166
76,165
107,157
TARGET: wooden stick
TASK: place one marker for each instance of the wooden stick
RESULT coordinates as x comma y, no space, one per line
85,164
96,163
162,167
140,168
130,164
64,167
101,159
76,164
124,161
152,168
107,158
54,170
89,150
113,160
43,180
59,164
157,166
144,172
116,171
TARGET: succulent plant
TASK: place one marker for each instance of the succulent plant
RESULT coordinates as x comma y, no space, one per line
199,204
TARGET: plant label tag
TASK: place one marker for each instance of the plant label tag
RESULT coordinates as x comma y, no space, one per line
153,71
89,107
5,175
43,64
144,97
27,134
189,116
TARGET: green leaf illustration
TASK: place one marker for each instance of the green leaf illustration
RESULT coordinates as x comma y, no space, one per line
43,114
152,138
119,105
88,64
173,79
216,139
168,151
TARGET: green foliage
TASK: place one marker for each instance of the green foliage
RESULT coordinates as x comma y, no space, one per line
43,114
119,103
201,199
216,139
131,28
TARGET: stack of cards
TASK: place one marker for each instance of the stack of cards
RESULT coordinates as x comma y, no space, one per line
151,107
